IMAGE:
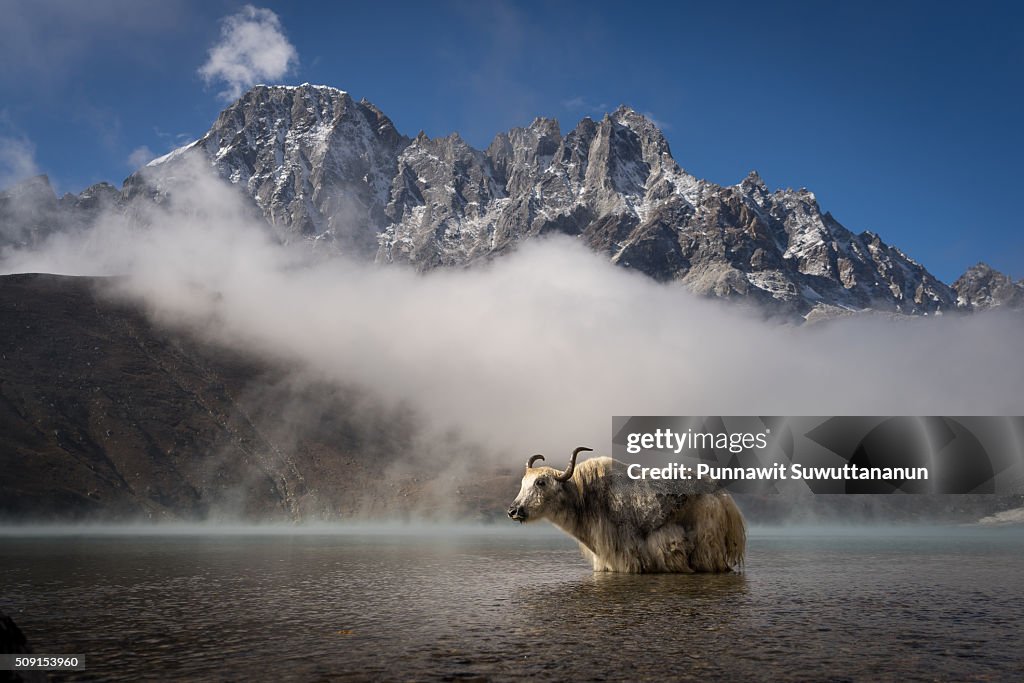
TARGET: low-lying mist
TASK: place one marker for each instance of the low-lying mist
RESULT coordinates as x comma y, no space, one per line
435,530
530,353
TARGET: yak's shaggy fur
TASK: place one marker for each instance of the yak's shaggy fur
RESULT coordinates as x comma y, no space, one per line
636,525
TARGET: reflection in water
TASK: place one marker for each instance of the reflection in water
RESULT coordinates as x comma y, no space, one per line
940,605
627,627
601,604
623,588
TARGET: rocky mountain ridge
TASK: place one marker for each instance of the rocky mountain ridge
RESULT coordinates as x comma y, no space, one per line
105,415
323,167
982,287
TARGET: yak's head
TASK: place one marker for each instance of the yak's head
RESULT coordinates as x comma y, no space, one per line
543,489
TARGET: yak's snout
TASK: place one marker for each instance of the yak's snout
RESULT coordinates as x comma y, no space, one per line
517,513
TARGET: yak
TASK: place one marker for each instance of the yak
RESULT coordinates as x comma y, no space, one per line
635,525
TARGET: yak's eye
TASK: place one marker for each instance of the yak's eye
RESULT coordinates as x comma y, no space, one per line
542,482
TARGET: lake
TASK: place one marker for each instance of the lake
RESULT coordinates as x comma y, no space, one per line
436,603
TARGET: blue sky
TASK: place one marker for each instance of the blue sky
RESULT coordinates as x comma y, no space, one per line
903,117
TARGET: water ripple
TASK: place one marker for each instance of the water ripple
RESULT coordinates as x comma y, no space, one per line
478,608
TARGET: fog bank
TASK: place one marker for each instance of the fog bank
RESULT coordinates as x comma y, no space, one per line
533,352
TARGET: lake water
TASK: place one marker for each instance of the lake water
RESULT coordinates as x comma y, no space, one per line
814,604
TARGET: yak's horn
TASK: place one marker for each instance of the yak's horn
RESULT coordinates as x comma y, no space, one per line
533,459
564,476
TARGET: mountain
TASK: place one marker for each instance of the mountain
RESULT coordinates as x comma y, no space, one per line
105,415
30,211
615,185
983,287
318,164
322,167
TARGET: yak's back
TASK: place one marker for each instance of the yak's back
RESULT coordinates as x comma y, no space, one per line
604,484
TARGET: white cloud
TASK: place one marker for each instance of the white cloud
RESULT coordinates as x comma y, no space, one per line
536,351
17,160
252,49
172,140
582,104
140,156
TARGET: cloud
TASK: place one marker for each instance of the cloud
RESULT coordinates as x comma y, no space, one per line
535,351
252,49
45,44
581,104
140,156
17,160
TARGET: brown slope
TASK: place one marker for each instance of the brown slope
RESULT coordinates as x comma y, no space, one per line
103,414
100,413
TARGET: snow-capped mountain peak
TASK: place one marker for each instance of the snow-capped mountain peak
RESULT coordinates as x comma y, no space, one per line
323,167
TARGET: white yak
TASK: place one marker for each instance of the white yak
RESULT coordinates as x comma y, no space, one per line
635,525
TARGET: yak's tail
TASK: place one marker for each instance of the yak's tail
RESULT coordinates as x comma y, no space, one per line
735,533
720,541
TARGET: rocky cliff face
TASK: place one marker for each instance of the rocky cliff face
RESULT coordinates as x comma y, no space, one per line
983,287
30,211
321,167
615,185
318,164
